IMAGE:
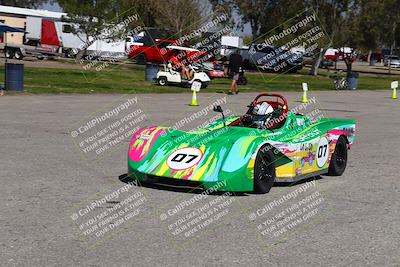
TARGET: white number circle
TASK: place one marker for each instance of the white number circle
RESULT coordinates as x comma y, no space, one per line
322,152
184,158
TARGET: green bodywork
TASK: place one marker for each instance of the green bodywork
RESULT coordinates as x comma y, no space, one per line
226,154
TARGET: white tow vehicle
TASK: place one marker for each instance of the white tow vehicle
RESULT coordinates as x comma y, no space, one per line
169,76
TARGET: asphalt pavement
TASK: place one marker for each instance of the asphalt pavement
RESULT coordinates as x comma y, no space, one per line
62,206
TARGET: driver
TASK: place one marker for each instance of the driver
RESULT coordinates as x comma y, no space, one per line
262,114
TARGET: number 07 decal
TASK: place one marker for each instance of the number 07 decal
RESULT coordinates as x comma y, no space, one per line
322,152
184,158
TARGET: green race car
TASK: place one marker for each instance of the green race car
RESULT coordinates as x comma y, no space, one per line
245,153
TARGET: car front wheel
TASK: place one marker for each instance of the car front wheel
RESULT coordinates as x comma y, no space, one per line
264,171
162,81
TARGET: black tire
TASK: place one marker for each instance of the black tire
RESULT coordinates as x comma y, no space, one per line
9,53
264,171
246,64
339,158
70,53
242,81
141,59
162,81
18,54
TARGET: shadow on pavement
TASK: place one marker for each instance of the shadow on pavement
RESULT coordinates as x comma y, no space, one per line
190,187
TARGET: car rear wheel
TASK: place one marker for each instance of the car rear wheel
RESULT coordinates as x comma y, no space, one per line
9,53
141,59
162,81
264,171
18,55
242,80
339,158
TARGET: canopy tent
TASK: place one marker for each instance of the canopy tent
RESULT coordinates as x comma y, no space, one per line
5,29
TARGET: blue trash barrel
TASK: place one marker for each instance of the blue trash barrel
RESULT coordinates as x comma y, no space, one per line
352,81
151,72
373,62
14,77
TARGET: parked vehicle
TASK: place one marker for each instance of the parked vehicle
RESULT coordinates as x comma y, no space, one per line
229,43
40,40
271,58
391,60
168,76
161,51
332,54
214,70
227,51
374,56
50,38
395,63
155,53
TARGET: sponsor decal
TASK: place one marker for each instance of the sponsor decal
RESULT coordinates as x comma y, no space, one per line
322,152
184,158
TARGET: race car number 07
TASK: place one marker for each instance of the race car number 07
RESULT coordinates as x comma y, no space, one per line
184,158
322,152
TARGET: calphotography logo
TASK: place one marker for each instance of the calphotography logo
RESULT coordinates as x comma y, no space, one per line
106,131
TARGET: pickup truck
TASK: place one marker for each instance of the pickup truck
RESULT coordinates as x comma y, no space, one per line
157,53
271,58
162,51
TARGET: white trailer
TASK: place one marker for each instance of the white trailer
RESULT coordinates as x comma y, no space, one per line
52,37
228,43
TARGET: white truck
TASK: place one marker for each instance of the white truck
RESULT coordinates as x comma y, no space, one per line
44,38
53,38
229,43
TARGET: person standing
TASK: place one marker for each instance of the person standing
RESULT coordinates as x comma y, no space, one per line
235,62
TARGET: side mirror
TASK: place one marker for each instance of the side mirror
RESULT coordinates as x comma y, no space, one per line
218,109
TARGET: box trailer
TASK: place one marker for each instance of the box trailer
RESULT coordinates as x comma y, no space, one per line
40,40
54,38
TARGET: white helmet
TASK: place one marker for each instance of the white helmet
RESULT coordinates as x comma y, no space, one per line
263,109
260,110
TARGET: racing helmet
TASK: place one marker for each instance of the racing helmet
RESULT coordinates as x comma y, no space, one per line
260,113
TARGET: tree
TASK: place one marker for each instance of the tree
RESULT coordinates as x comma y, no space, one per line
23,3
96,19
265,15
335,16
90,19
179,16
390,31
368,25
